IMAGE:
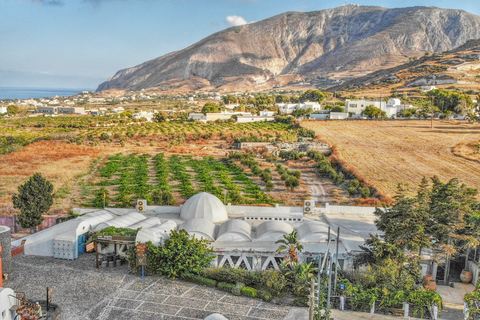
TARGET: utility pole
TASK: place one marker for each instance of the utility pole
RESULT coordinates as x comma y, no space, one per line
336,263
311,299
431,119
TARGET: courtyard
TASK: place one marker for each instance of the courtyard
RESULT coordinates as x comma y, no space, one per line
85,292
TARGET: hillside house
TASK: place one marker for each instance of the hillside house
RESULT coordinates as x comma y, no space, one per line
356,107
71,110
144,114
47,110
288,108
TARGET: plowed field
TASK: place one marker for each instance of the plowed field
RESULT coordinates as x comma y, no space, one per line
385,153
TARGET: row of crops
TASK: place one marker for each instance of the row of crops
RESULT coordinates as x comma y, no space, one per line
161,180
16,133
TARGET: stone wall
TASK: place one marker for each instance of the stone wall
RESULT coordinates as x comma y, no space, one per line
5,240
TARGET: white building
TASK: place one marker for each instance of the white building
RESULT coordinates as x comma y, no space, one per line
3,110
7,301
427,88
338,115
288,108
356,107
242,236
47,110
144,114
71,110
391,107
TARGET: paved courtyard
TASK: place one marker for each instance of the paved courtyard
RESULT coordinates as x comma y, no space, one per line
84,292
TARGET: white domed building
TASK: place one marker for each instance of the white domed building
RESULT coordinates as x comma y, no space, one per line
242,236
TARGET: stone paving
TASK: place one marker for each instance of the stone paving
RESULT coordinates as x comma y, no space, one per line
84,292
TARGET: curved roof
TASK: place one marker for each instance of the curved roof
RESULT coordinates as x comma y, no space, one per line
200,228
122,221
215,316
145,224
273,230
314,232
204,206
157,234
235,230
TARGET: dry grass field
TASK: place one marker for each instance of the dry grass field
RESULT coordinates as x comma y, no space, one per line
385,153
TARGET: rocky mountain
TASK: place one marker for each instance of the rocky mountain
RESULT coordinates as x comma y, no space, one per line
344,39
459,66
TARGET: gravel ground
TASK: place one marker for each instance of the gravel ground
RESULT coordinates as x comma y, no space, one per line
84,292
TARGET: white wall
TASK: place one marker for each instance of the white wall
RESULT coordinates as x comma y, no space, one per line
6,302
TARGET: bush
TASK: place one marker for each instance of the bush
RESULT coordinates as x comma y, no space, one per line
227,287
229,275
237,290
365,192
181,254
249,292
204,281
290,155
274,281
264,295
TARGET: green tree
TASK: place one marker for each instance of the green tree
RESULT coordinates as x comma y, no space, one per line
181,253
210,108
33,198
314,95
12,110
162,197
387,265
292,182
293,247
281,98
374,112
443,215
404,223
228,99
337,109
160,116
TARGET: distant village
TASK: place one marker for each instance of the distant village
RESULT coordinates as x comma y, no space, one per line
89,103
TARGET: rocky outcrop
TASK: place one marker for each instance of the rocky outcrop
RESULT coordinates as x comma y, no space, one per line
350,36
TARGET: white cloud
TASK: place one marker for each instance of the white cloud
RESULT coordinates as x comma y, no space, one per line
235,21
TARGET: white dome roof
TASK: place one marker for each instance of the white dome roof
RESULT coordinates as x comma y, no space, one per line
204,206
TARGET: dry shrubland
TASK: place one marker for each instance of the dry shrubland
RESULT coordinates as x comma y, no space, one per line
385,153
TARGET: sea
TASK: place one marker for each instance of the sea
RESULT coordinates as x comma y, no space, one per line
26,93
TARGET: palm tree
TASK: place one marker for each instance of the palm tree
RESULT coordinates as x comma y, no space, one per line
290,243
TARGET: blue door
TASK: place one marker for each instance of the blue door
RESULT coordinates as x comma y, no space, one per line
81,244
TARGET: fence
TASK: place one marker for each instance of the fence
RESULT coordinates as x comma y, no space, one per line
12,222
405,310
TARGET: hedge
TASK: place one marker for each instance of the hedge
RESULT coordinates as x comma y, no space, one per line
249,292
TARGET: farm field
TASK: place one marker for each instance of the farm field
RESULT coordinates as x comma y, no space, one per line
73,155
386,153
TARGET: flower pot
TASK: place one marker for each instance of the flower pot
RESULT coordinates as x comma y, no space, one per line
466,276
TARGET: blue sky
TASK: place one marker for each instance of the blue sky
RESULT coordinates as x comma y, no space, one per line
81,43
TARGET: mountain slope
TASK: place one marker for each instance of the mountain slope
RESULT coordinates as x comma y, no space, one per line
459,66
340,39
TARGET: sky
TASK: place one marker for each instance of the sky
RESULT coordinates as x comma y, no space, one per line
81,43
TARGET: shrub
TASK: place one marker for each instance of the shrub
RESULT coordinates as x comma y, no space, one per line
180,254
249,292
227,287
365,192
229,275
204,281
264,295
274,281
237,290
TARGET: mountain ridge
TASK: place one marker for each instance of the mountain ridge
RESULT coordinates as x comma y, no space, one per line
349,38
